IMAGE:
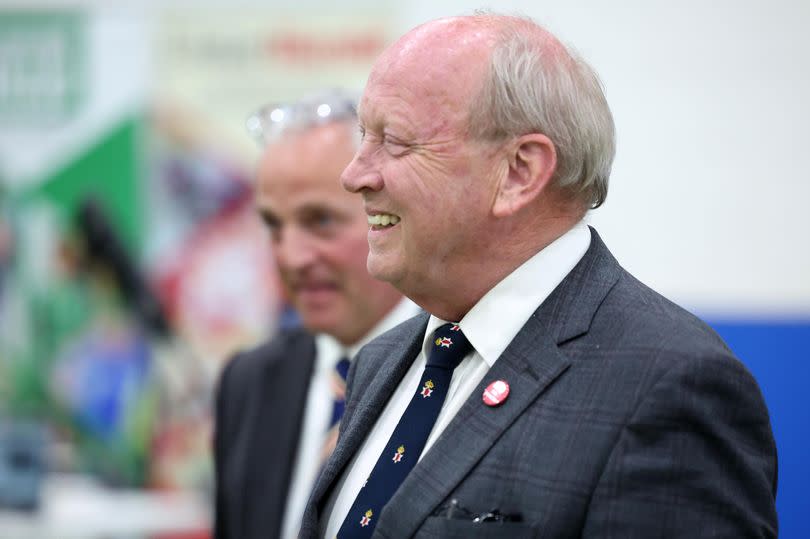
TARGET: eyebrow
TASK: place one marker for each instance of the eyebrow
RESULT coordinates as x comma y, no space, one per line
367,123
318,208
269,218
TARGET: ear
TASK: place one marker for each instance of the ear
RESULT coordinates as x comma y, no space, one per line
532,162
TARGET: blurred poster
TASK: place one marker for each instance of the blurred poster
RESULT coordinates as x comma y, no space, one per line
215,65
42,66
205,247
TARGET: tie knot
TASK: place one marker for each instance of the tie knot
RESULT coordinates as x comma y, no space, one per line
448,348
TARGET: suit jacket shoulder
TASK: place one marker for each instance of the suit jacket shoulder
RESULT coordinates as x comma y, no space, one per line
247,368
259,409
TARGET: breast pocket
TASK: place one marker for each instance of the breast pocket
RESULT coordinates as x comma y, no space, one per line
435,527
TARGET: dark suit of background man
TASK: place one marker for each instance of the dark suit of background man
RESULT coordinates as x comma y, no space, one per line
274,403
485,141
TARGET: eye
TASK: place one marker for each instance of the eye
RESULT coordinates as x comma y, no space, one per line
362,131
272,223
395,146
320,222
274,230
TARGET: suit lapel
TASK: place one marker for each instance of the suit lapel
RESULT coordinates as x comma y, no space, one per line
530,363
568,312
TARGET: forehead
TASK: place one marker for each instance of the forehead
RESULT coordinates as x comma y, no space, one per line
427,80
308,163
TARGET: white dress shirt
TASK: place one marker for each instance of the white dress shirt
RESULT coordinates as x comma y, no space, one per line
490,326
318,412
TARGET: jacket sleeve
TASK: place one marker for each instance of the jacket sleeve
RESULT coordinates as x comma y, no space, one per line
697,458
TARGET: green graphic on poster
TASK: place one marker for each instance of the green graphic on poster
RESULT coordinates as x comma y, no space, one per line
42,66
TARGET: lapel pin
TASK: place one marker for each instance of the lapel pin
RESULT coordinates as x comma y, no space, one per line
496,393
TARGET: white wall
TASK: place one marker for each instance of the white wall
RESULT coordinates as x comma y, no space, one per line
712,107
710,187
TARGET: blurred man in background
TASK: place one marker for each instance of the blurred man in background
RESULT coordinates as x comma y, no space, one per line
278,406
547,392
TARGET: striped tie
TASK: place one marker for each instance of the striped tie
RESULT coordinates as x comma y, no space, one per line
448,348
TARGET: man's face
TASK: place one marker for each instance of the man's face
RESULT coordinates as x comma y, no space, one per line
318,232
418,164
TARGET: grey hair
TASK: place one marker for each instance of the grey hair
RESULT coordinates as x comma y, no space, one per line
546,88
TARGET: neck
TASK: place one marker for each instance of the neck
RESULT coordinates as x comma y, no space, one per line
452,299
354,335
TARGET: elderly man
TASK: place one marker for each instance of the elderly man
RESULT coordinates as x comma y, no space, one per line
277,406
546,392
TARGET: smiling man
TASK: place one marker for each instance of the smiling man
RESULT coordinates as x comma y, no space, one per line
318,233
278,406
546,392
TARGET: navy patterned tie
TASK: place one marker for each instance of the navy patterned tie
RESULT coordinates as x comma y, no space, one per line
449,346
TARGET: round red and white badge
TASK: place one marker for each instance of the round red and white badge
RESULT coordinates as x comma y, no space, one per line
496,393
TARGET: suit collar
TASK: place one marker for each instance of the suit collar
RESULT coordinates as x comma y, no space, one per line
497,317
568,312
569,304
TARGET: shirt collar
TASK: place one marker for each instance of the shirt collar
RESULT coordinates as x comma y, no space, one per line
499,315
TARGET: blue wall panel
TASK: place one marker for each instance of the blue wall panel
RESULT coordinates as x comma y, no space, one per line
778,355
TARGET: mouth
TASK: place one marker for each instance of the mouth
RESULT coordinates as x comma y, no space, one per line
314,287
381,221
314,292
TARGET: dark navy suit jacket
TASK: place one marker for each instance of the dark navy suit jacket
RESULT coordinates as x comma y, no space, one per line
627,418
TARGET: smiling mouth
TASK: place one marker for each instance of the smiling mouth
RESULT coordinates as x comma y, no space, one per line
382,220
310,294
308,287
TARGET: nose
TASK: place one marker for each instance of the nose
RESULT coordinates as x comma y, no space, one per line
362,174
294,249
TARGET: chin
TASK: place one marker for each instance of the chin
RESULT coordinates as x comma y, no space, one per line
320,319
384,269
320,325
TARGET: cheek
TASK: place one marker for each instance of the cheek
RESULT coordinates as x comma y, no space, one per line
432,178
284,272
349,255
288,289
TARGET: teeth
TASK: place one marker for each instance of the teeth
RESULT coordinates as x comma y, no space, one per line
382,219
